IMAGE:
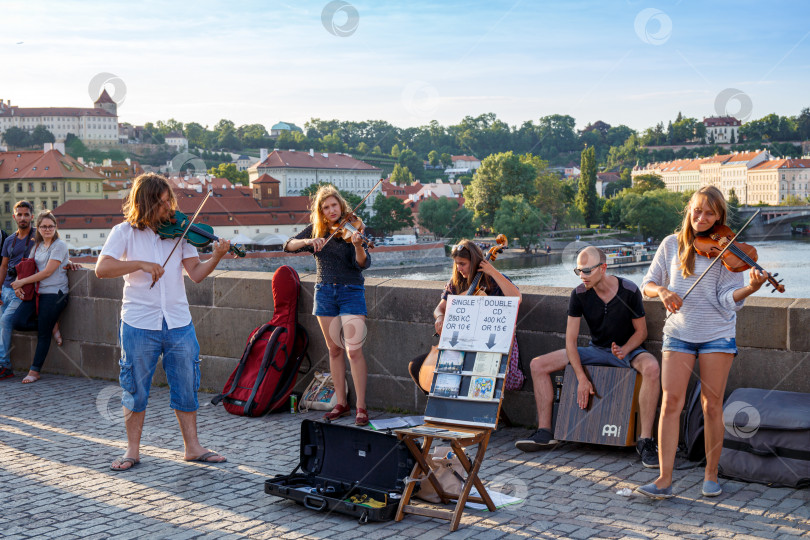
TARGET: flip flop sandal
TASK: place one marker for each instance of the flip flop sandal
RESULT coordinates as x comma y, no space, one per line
204,458
123,460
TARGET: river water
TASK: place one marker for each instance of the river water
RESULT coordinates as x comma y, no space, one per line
789,258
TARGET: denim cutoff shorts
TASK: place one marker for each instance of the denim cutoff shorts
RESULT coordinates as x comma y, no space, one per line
603,356
333,299
140,350
721,345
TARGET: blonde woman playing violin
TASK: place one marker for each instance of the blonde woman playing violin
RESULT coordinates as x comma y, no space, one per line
704,327
340,301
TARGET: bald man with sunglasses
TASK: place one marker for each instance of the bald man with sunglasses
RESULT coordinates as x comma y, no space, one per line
614,311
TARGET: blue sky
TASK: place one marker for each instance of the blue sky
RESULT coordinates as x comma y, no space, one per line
630,61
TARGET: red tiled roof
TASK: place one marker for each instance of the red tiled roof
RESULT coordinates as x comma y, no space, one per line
54,111
782,164
217,212
720,158
266,179
104,97
464,158
36,164
401,192
744,156
302,160
721,121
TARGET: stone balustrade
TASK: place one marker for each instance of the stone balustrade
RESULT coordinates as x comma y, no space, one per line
772,334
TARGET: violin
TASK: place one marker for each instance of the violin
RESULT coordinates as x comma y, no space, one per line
739,257
198,235
428,367
347,226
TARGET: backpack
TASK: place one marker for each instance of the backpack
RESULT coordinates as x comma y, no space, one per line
692,446
266,374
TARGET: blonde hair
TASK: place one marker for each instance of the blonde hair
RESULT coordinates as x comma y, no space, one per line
142,205
320,223
46,214
686,235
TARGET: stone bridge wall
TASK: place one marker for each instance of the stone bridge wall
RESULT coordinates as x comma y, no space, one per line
772,334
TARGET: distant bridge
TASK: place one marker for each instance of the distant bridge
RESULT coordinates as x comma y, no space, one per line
773,221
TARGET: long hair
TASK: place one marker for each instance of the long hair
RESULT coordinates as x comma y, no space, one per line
467,249
46,214
686,235
142,205
320,224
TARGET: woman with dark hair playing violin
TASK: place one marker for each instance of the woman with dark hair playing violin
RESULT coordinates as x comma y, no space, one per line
155,317
701,327
340,301
468,261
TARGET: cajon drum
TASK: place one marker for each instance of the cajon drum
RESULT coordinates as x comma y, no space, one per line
611,414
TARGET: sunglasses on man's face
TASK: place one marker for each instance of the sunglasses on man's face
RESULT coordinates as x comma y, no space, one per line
586,271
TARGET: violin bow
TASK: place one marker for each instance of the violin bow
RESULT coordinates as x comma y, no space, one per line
185,231
720,255
345,218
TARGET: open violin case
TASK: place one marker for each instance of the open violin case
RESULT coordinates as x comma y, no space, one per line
346,469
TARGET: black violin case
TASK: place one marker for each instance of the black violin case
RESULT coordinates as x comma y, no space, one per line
341,467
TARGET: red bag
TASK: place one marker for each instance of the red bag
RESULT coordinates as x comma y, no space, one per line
27,267
266,373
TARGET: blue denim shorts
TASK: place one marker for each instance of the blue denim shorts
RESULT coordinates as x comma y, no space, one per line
602,356
140,350
333,299
722,345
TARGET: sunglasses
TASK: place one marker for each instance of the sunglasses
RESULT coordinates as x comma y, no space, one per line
586,271
458,249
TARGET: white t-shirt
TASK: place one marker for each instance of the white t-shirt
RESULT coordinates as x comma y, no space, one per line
143,307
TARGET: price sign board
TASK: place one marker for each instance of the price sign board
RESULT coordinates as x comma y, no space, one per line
479,323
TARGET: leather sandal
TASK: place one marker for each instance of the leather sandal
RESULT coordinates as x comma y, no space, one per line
362,417
338,412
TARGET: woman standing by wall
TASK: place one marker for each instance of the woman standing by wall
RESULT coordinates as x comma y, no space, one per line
51,255
340,302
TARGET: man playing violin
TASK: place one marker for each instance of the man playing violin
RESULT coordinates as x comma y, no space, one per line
156,320
613,309
340,300
702,327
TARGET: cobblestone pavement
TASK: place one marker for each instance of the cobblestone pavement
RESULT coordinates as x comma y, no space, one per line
58,437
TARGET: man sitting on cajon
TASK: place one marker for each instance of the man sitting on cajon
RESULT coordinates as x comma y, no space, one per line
613,309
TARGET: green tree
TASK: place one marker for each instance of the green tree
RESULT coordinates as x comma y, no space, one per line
733,199
408,159
402,175
395,151
446,219
229,171
499,175
654,213
41,135
390,214
447,160
433,158
586,195
362,149
647,182
793,200
376,150
17,137
517,219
